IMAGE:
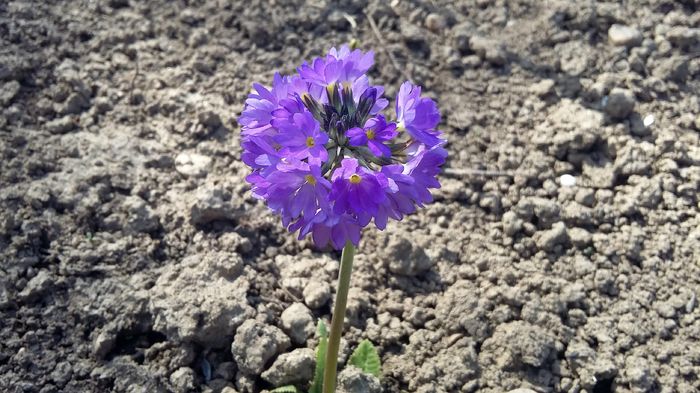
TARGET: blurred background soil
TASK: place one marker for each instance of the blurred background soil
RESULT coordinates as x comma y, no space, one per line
561,255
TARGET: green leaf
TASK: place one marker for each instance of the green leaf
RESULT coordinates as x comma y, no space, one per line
320,358
366,358
286,389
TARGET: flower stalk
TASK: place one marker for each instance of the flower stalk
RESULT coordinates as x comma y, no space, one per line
338,319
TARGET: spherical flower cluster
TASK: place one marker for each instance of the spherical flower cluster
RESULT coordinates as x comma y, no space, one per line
327,160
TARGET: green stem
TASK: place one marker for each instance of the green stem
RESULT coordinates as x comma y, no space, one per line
341,301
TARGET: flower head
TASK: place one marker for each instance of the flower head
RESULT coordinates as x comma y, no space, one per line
327,161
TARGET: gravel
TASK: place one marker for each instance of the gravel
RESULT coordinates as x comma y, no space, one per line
298,323
255,344
623,35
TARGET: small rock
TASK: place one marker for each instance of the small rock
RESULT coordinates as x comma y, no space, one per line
522,390
490,202
488,49
210,119
190,17
414,35
73,105
620,103
8,91
61,125
353,380
516,344
316,294
102,105
62,373
192,164
462,33
648,120
585,196
37,286
639,375
201,299
580,237
298,323
567,180
183,379
293,367
543,88
548,240
140,217
665,310
214,205
403,256
673,69
511,223
622,35
435,22
690,305
255,344
576,128
103,344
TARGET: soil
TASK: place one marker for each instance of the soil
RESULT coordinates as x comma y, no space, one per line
562,253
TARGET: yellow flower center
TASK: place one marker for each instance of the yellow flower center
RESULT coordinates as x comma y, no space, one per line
310,179
310,142
400,127
355,178
370,134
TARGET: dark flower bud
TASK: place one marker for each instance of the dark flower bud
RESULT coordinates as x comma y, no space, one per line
367,100
312,105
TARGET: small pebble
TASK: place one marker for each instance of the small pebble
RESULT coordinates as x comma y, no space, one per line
435,22
620,103
648,120
192,164
567,180
622,35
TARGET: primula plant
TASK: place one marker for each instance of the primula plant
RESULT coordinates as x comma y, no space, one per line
326,157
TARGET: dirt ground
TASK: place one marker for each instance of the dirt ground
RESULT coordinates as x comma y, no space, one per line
561,255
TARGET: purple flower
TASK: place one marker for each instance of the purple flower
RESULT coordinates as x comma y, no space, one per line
424,167
375,131
357,190
341,65
296,188
325,159
417,115
329,228
302,138
257,114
